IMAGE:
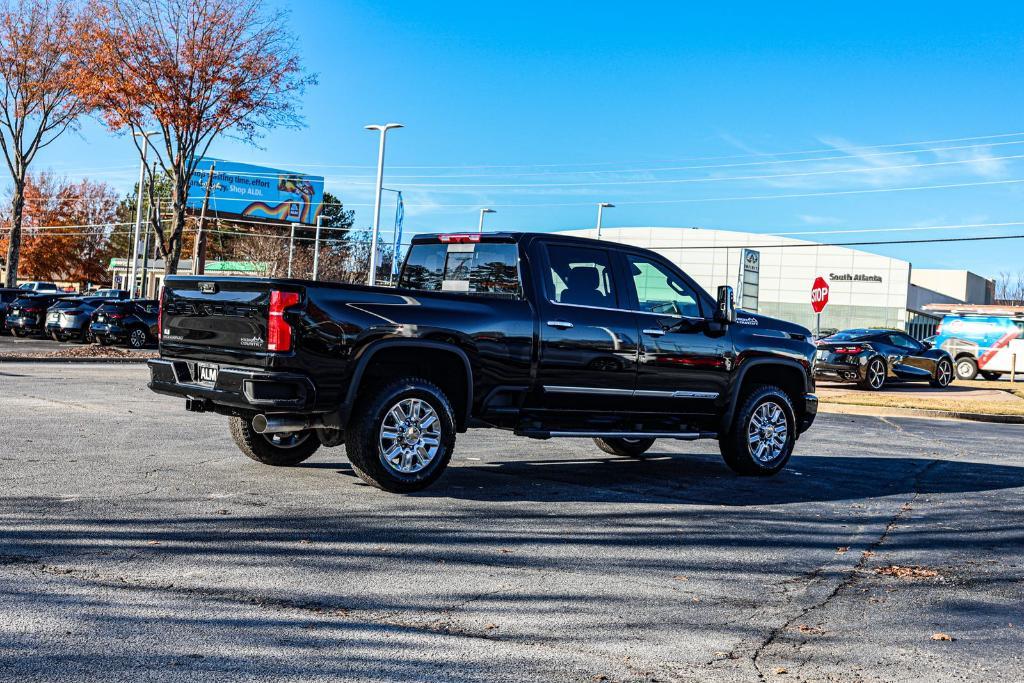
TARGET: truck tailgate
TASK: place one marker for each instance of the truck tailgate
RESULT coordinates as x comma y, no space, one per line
220,318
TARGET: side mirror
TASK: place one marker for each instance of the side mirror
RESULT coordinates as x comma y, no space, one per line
726,312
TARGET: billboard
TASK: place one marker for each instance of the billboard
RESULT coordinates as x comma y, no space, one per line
256,192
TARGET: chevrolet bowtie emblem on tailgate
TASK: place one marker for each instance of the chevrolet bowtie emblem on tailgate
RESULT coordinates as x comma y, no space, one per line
208,287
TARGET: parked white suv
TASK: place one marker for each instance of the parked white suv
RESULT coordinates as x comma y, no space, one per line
40,287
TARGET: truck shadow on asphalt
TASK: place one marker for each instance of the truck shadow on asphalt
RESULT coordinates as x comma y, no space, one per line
703,479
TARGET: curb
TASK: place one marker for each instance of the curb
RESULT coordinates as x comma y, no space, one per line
857,409
65,359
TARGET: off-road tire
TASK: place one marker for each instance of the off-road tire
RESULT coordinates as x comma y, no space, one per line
734,444
630,448
869,383
966,368
363,434
943,373
991,376
260,448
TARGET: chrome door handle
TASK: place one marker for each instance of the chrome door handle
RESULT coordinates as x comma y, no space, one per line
654,333
560,324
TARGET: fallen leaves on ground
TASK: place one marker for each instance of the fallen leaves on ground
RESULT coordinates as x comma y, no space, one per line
942,636
781,670
842,549
807,628
913,571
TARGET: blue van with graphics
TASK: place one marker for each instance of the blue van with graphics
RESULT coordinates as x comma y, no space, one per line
989,345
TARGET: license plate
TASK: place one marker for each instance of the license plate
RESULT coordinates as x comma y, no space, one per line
207,373
822,354
100,318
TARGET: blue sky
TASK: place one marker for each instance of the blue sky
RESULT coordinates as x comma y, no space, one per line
681,114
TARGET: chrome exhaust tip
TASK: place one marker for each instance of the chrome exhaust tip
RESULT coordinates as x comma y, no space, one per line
263,424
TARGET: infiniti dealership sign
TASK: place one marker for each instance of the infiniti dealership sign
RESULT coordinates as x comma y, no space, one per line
854,277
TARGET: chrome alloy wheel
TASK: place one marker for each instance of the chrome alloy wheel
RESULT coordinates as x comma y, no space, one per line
876,374
410,436
767,432
944,373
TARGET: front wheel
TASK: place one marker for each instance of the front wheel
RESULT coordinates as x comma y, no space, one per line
874,377
630,448
991,376
284,449
966,368
401,436
943,374
762,435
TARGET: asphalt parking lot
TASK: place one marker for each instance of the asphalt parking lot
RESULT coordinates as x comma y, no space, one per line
137,543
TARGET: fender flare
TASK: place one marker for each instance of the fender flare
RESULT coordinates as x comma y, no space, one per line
375,347
737,383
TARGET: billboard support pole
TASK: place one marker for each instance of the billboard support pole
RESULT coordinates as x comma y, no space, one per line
291,250
199,253
316,249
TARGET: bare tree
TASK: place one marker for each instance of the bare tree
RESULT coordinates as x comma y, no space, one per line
193,70
1010,288
37,99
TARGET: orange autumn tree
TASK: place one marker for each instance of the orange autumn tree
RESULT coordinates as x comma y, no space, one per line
37,101
191,70
66,229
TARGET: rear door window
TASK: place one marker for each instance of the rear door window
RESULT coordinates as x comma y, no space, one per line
581,276
488,268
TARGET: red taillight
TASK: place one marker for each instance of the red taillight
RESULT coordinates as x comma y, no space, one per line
115,316
459,239
849,349
279,332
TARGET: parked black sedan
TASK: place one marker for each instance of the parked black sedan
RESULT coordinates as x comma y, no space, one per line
26,315
871,358
131,322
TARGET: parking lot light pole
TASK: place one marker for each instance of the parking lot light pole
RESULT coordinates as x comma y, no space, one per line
482,213
600,213
138,212
383,128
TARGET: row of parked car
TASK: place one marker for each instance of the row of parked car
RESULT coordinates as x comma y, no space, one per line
106,316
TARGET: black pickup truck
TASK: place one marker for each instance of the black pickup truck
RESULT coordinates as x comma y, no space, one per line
544,335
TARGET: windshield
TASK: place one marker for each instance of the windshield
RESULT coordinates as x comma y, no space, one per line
852,335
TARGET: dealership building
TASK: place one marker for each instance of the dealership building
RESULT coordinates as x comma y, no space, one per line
865,289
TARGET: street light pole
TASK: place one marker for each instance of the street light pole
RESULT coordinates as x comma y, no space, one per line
482,212
600,212
372,279
138,213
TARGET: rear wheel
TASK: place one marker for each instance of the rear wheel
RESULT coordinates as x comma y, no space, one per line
763,432
966,368
17,333
943,374
87,336
401,435
874,378
991,376
630,448
138,338
284,449
57,336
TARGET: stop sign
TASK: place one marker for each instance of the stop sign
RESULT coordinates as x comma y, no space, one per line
819,294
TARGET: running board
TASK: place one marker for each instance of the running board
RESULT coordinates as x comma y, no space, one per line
681,436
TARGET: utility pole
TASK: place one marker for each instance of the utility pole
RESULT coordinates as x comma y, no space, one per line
199,253
138,213
145,252
316,248
372,279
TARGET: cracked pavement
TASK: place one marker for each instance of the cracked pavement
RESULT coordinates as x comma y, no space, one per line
137,542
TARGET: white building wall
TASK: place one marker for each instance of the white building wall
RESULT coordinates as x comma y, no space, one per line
788,269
